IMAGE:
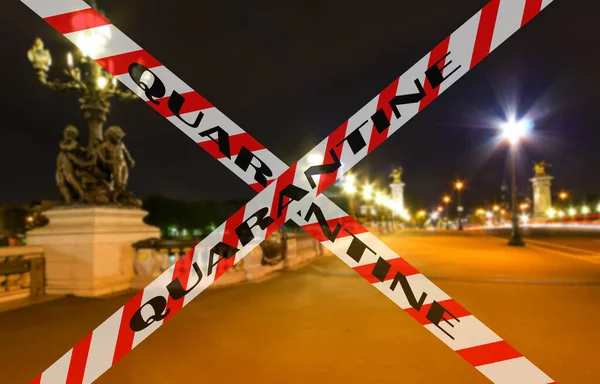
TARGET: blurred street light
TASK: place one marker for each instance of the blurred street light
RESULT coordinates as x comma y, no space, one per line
513,131
349,186
367,192
315,159
459,185
585,210
563,195
446,199
379,198
572,211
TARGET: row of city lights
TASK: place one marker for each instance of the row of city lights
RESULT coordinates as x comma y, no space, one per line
370,194
572,211
351,187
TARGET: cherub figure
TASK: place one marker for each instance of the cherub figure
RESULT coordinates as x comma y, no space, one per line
65,165
115,155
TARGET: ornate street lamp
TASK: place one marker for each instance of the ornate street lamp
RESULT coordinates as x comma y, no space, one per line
95,84
99,173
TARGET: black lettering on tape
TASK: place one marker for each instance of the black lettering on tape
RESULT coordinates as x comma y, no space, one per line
224,250
408,292
154,91
355,139
436,314
316,210
244,160
323,168
244,231
159,305
381,269
175,103
176,289
222,139
401,100
293,192
434,73
357,248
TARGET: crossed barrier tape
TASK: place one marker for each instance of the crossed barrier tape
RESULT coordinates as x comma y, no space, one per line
292,191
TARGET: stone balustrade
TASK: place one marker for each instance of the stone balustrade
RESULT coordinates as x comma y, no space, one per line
150,261
23,269
21,272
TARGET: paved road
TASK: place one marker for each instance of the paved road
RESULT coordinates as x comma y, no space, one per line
322,323
573,242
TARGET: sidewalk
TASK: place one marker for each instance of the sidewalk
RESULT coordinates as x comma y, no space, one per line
332,326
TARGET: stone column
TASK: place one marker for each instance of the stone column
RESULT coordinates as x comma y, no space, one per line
88,250
542,198
398,197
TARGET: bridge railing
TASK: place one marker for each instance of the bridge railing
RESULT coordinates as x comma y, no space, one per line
154,256
22,273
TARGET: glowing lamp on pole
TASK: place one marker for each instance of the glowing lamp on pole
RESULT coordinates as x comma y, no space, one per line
513,131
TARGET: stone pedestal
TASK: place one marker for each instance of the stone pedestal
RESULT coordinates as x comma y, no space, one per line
398,197
542,197
88,249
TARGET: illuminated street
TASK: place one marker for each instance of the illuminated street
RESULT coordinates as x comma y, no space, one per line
322,323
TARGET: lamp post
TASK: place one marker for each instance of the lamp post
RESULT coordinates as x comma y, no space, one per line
459,185
513,131
349,186
95,84
446,199
367,194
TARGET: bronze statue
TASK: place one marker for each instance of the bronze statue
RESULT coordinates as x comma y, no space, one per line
66,164
115,155
396,175
99,177
539,168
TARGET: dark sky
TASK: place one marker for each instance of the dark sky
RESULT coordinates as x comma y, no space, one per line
289,72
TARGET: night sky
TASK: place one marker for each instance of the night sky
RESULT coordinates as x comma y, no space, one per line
289,72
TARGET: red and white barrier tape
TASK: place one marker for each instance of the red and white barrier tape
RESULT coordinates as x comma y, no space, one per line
473,41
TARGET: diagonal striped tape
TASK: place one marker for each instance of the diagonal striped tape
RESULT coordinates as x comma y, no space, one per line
94,22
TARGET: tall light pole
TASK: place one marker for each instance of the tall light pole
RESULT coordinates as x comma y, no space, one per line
446,199
513,131
350,189
367,194
459,185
